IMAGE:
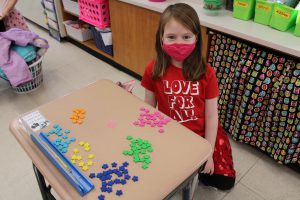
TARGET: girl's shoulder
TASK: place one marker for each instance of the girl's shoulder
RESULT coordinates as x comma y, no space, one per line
209,68
150,66
209,71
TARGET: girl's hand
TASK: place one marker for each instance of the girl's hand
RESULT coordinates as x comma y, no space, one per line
209,167
127,85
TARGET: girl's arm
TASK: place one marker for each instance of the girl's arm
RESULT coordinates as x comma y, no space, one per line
211,128
8,7
211,120
150,98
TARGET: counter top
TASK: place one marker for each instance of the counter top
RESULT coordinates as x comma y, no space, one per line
285,42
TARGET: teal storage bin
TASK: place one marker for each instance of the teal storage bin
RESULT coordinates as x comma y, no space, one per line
243,9
283,17
263,12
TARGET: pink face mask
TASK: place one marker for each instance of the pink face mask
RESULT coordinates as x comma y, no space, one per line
179,52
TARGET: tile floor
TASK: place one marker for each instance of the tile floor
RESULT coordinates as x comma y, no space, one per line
67,68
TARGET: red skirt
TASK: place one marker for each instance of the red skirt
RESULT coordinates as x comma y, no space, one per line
222,155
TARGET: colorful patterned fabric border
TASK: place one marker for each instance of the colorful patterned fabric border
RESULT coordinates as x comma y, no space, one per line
259,100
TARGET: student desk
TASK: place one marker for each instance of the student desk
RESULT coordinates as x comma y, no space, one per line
177,153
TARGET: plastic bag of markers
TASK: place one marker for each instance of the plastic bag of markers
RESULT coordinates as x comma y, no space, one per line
128,86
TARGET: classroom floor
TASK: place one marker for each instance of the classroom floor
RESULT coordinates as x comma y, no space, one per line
68,68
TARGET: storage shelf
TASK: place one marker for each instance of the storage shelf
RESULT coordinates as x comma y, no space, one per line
71,13
71,7
91,44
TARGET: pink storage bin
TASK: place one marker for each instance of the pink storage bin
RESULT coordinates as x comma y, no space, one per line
95,12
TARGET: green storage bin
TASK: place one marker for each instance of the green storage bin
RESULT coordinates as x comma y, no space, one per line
297,28
243,9
263,12
283,17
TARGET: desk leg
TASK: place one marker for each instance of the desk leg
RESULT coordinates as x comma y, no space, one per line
45,191
189,190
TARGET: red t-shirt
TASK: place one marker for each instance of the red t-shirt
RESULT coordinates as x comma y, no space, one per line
180,99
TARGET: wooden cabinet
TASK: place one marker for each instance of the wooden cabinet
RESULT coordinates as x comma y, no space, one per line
133,30
133,33
204,42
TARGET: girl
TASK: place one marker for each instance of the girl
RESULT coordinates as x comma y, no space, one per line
10,17
183,87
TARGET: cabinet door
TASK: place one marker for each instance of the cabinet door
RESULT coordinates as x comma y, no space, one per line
133,30
204,42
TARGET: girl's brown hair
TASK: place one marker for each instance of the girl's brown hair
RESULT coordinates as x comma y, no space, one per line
193,66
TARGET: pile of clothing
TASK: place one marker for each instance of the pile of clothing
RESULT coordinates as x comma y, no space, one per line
19,48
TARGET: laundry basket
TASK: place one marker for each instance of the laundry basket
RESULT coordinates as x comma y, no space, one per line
36,70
